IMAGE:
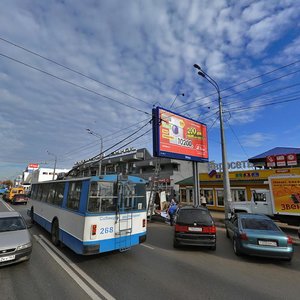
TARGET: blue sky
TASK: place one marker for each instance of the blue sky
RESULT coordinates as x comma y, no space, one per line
140,54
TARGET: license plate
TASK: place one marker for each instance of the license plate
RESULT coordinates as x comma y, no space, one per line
7,258
267,243
196,229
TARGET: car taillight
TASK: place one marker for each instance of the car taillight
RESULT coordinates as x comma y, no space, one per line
243,236
209,229
144,222
180,228
94,229
290,240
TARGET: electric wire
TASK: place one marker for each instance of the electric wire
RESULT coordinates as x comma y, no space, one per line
238,84
247,156
72,70
72,83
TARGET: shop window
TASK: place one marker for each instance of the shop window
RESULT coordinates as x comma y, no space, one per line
209,195
220,197
182,195
238,195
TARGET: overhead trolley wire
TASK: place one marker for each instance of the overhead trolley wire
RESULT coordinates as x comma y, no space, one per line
96,142
241,83
99,155
72,70
72,83
244,90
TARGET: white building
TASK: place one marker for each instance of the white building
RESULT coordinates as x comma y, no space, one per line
44,174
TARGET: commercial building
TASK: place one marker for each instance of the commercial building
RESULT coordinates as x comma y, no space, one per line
139,162
251,175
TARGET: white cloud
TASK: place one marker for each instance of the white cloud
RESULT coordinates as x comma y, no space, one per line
256,139
145,48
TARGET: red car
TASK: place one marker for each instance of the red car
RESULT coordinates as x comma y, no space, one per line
20,198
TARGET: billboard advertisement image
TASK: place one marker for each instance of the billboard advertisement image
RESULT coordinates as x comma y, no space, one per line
179,137
286,194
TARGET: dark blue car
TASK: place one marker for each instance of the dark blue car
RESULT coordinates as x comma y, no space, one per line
258,235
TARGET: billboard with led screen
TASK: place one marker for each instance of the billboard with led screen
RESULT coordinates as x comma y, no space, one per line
179,137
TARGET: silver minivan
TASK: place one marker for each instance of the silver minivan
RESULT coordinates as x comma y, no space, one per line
15,239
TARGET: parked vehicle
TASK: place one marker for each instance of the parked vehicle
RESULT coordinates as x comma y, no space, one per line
3,189
258,235
19,199
15,240
280,202
195,227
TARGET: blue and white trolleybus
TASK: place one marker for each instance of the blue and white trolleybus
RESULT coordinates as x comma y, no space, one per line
94,214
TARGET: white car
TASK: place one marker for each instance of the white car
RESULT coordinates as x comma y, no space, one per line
15,239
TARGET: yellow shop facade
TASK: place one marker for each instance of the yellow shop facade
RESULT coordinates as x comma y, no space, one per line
242,184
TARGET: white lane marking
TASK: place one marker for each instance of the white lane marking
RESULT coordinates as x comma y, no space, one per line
73,275
147,246
7,205
88,279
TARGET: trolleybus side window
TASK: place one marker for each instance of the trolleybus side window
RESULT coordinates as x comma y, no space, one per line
39,192
74,195
51,192
59,195
45,192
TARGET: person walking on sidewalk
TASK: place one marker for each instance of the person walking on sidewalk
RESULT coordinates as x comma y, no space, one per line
202,200
172,210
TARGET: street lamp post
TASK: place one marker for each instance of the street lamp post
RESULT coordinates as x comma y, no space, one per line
226,182
101,147
55,161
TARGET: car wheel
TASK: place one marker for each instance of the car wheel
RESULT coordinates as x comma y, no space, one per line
31,215
175,244
235,248
55,233
227,233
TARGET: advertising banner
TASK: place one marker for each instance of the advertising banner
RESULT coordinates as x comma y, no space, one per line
271,161
33,166
280,161
179,137
291,160
286,194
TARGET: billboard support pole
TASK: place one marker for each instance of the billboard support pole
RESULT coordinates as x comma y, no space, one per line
196,184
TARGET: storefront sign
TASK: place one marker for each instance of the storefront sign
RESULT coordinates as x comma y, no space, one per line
271,161
235,165
123,151
291,160
280,161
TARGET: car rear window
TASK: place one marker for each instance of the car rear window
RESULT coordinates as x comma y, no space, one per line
259,224
194,216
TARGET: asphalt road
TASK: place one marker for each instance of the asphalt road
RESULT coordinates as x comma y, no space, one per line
153,270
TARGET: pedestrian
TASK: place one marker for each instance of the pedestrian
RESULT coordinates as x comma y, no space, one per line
172,210
203,200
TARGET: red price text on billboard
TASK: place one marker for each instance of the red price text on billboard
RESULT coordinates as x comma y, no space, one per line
181,135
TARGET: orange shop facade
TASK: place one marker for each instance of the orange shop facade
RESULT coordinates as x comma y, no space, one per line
242,184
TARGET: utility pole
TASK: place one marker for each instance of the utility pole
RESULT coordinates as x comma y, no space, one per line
226,181
55,161
101,148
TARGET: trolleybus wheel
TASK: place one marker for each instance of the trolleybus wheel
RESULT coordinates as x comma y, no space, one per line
55,232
